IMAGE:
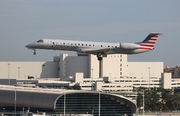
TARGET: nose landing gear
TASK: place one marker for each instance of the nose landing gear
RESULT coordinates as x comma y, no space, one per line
34,52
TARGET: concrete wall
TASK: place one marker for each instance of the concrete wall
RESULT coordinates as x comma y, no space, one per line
77,64
62,65
114,65
145,69
93,67
166,80
21,70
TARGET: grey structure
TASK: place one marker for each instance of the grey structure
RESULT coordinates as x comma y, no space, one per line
52,100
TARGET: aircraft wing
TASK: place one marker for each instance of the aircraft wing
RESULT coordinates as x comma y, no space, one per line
98,51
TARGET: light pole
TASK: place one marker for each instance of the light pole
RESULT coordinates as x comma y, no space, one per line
92,73
15,103
141,75
18,72
64,103
99,103
143,102
132,75
93,112
8,74
149,76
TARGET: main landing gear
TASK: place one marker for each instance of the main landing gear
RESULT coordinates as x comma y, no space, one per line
34,52
100,58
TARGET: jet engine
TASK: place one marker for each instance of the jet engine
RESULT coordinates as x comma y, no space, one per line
129,46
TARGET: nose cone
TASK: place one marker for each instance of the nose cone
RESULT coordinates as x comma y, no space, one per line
30,46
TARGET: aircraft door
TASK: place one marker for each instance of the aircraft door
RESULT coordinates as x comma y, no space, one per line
47,43
50,44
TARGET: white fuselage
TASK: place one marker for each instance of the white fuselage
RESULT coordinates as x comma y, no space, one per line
86,47
97,48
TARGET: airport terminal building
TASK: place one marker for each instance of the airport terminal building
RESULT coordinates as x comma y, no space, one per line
67,102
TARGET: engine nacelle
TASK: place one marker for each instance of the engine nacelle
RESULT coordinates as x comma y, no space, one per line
129,46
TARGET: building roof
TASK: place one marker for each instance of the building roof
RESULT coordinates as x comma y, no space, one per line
47,98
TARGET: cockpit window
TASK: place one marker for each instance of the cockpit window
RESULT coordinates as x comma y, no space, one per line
40,41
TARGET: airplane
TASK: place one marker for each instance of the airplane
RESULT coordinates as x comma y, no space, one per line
100,49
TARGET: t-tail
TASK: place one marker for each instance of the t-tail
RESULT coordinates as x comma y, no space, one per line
149,42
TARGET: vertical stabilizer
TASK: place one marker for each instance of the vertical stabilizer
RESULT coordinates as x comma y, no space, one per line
149,41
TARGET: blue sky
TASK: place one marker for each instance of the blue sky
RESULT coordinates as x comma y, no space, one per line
26,21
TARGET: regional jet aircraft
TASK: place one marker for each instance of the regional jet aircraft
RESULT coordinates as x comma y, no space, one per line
99,49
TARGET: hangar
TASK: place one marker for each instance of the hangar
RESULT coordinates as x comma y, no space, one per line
75,101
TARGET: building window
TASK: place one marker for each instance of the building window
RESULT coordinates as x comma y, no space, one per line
120,60
120,65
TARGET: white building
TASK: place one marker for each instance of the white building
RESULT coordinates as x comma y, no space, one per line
21,70
118,74
89,66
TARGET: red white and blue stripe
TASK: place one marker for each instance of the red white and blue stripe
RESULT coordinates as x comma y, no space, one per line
149,42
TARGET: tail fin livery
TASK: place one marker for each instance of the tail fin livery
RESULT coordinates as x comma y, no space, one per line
149,42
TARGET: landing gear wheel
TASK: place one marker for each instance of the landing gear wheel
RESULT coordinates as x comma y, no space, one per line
100,58
34,52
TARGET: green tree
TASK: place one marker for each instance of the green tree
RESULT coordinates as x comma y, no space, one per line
156,99
75,87
139,100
